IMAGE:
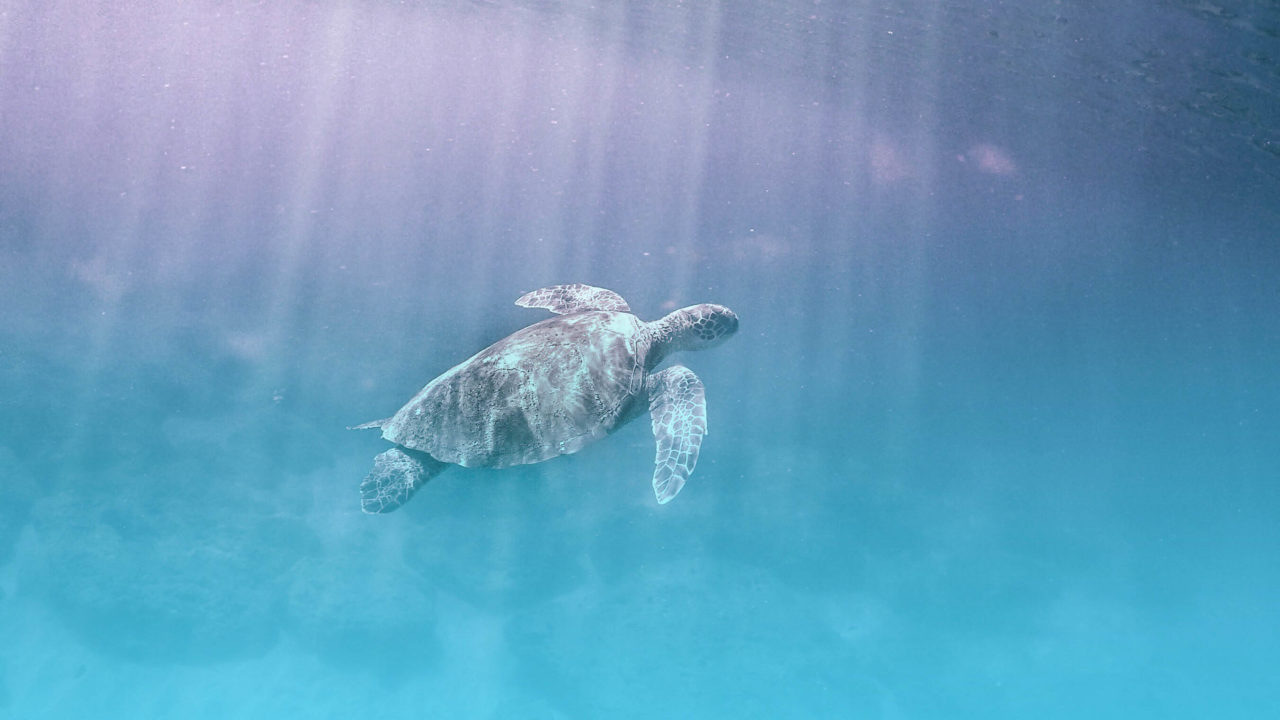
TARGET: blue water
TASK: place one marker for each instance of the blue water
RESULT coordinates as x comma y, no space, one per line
997,437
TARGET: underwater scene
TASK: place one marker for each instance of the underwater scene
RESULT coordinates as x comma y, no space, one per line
873,359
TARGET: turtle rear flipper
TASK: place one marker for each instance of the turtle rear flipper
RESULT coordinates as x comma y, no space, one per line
678,409
396,475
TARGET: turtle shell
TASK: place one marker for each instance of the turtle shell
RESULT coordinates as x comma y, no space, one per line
546,390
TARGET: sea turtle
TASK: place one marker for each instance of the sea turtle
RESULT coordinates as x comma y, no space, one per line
552,388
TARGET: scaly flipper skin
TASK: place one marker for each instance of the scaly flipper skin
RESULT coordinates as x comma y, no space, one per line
678,409
565,299
395,476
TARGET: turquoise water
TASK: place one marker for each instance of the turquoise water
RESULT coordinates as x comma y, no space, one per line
997,437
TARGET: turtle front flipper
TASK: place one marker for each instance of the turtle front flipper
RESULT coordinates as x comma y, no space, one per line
566,299
396,475
678,409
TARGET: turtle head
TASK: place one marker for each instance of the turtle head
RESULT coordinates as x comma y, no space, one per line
696,327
